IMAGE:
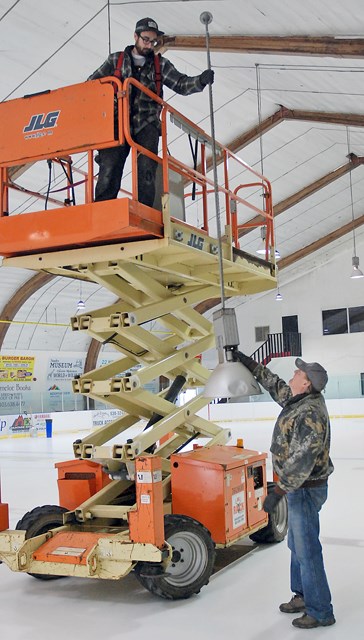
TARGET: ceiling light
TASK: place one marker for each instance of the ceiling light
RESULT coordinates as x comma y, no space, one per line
279,296
80,305
356,272
230,379
263,250
227,379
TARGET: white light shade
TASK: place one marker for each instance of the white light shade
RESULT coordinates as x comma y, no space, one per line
231,380
279,297
261,252
80,305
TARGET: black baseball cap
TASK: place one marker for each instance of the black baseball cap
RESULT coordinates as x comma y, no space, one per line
147,24
316,374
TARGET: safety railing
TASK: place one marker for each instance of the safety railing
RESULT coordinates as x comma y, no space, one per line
278,345
100,133
226,158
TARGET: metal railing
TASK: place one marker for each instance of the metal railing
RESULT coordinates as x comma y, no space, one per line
93,129
278,345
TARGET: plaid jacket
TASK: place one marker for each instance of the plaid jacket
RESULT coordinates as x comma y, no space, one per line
143,109
301,436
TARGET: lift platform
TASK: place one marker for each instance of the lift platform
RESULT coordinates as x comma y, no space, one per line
160,262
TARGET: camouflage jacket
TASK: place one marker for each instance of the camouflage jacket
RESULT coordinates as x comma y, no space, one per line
144,110
301,436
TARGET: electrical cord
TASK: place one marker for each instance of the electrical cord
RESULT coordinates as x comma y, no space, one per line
49,163
69,178
194,158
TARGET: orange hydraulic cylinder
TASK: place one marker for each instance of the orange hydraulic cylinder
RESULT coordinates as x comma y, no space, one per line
146,524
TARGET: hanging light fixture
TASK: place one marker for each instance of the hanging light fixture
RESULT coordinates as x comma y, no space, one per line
261,250
356,272
80,303
278,297
230,379
263,229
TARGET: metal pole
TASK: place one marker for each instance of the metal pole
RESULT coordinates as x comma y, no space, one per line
206,19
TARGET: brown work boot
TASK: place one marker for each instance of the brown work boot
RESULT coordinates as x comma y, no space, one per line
308,622
295,605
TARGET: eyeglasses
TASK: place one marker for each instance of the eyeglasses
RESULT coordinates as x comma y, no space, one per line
149,41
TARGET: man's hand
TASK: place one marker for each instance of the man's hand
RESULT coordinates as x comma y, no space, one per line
247,361
207,77
272,499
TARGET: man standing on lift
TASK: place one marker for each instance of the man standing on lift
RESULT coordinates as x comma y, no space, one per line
139,61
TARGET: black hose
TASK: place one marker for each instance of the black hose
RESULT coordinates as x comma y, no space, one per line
49,163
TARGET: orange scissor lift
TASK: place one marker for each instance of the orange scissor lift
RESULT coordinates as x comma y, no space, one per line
148,502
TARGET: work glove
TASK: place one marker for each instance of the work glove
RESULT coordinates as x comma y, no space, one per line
272,499
207,77
247,361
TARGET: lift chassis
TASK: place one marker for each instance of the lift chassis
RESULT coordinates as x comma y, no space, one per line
136,496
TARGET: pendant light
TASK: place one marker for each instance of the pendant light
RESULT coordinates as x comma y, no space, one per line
230,379
356,272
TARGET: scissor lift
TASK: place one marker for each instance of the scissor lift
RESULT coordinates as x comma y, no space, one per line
159,267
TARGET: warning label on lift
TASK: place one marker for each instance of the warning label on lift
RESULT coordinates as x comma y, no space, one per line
238,506
147,477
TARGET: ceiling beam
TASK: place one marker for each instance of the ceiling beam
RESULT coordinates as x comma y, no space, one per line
19,298
13,305
325,117
92,355
258,130
308,190
250,136
327,46
322,242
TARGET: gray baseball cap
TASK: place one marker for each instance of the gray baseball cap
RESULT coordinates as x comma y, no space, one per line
148,24
316,374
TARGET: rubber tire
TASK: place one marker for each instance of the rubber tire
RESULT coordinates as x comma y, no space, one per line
276,529
38,521
198,550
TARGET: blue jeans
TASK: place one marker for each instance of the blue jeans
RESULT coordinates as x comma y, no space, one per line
308,577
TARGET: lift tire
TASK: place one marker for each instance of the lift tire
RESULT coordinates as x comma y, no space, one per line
192,560
38,521
277,526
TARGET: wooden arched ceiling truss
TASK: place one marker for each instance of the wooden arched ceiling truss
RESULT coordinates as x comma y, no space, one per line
327,46
13,305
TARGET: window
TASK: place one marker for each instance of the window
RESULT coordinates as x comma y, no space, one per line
334,321
261,334
356,319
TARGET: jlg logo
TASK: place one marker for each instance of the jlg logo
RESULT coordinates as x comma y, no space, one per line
41,121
